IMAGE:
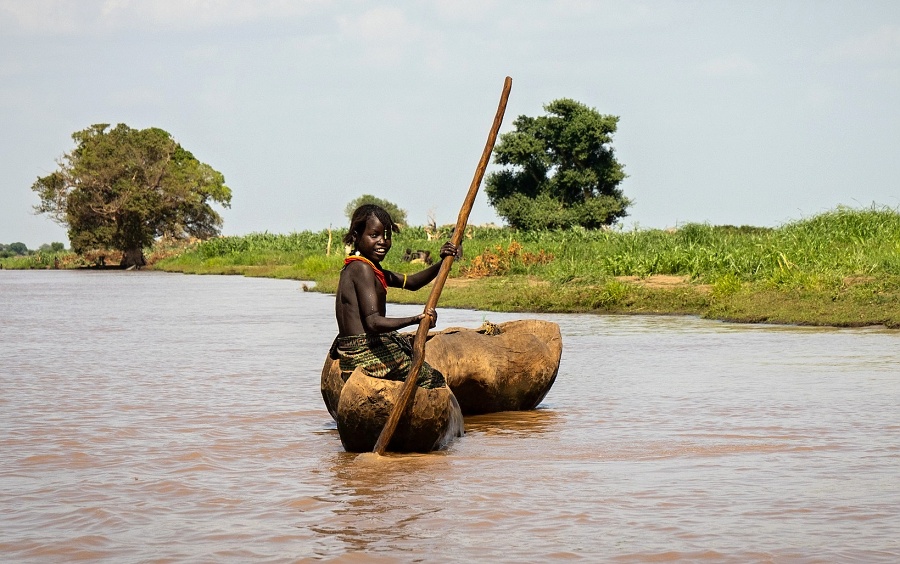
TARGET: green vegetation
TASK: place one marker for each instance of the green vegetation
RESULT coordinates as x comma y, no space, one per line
561,170
13,250
49,255
300,256
20,249
840,268
396,213
123,188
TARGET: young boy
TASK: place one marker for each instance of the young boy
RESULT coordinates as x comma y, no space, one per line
366,336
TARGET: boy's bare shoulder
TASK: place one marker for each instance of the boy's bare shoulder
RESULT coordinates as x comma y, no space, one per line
358,270
356,266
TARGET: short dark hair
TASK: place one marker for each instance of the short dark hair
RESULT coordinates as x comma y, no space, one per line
361,216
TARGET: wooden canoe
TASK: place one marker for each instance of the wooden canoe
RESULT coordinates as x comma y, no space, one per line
365,403
510,370
505,367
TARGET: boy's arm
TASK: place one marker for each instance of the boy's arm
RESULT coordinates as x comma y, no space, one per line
419,279
377,323
370,308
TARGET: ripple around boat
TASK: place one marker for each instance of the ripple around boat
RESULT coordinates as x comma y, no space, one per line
506,367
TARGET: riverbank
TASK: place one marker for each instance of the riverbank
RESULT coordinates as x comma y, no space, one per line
840,268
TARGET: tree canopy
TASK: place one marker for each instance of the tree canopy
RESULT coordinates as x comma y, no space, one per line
121,188
397,214
561,170
13,249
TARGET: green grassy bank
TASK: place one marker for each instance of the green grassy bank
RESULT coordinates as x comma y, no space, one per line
840,268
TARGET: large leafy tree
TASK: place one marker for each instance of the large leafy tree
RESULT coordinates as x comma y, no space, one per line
396,213
561,170
121,188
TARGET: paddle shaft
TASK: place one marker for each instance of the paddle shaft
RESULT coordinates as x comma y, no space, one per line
418,357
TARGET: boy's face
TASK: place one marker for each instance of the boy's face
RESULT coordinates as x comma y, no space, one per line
375,240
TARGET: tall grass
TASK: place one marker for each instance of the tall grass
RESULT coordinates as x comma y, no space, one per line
841,267
43,260
296,255
267,244
828,247
823,249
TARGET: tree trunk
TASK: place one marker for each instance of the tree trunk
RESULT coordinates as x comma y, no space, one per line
133,257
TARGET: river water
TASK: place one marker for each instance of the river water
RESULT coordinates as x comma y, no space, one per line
149,417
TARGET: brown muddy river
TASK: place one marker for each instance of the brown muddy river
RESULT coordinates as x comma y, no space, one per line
149,417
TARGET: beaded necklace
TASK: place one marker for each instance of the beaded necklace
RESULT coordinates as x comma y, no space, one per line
378,273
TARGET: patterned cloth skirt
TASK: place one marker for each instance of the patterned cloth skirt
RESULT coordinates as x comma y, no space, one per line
382,355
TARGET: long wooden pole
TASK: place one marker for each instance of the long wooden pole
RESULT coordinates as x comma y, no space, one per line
418,357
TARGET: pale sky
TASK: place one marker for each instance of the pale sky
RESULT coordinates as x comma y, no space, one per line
752,112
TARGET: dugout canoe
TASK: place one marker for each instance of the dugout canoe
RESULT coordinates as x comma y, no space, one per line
504,367
498,367
365,403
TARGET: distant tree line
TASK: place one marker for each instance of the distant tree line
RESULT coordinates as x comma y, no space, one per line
122,188
20,249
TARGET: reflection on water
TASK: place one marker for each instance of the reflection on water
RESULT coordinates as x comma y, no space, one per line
385,501
154,417
536,421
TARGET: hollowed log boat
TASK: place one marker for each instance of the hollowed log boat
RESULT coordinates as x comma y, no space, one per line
365,403
504,367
